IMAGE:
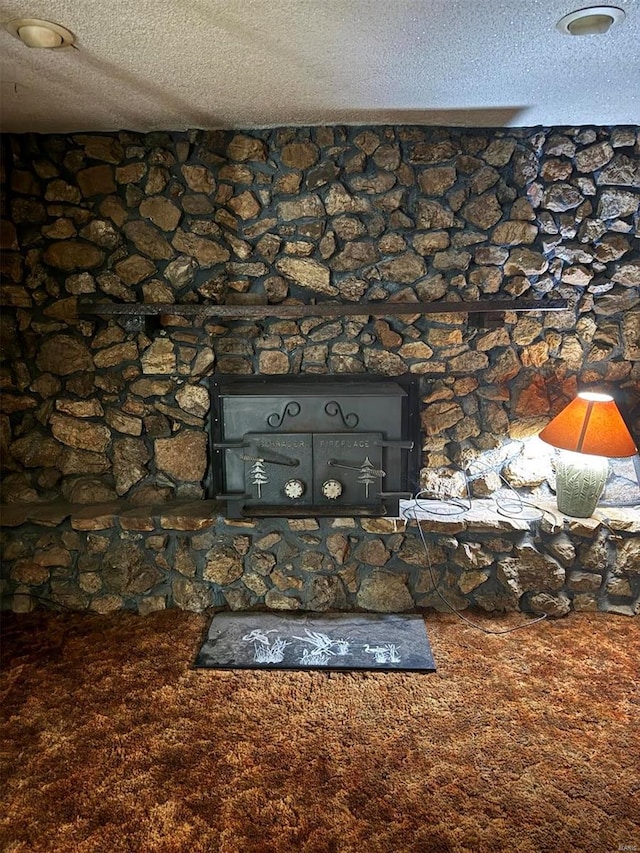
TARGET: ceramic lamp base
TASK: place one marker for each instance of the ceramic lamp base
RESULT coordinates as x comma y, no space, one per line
580,480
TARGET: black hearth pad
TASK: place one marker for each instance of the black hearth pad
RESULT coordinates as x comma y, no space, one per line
331,641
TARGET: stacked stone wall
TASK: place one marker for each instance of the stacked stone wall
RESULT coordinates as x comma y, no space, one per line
113,556
90,412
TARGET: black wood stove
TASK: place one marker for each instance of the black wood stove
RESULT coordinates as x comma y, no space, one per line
314,446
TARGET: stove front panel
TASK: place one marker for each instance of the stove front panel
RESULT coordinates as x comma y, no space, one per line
301,447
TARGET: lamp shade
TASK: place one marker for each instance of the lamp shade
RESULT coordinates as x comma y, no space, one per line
590,424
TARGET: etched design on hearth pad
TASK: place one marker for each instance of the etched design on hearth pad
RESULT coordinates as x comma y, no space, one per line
332,641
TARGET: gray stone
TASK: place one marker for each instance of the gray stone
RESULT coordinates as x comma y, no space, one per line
614,203
553,605
627,557
530,571
584,581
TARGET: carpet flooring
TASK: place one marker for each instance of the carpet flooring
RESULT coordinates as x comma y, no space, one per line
523,743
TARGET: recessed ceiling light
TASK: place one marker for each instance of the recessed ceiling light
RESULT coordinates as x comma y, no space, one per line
36,33
590,22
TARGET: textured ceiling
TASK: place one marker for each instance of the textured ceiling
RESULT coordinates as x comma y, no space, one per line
155,64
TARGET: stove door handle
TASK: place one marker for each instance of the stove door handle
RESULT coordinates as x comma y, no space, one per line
229,445
406,495
402,445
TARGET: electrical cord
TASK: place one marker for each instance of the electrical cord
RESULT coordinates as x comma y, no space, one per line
457,509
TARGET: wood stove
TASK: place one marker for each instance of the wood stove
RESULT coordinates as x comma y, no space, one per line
314,446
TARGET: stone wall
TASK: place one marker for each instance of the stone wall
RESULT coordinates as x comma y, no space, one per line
113,556
90,412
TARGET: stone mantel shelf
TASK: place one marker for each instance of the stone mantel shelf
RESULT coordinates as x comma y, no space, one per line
485,312
193,515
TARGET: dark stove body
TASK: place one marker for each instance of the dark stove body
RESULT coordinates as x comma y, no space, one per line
314,446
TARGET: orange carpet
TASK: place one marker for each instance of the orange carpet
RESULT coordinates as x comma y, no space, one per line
524,743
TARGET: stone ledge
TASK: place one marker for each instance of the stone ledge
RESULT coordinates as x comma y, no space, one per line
485,517
174,515
193,515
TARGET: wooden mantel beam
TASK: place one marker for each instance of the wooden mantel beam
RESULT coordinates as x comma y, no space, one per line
138,311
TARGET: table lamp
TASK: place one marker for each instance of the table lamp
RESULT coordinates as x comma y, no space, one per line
587,432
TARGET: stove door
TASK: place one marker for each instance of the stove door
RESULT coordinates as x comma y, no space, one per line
278,469
347,469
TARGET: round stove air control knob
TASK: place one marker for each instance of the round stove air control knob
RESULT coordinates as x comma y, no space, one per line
294,489
331,489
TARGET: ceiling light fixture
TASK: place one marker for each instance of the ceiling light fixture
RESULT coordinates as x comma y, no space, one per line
37,33
595,20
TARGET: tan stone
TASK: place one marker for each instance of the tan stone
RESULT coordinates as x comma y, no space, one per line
62,355
132,270
523,261
148,240
513,232
307,273
438,180
117,354
431,215
372,552
451,260
387,337
193,399
627,557
594,157
437,417
160,357
433,241
29,572
151,387
132,173
243,148
273,362
483,211
73,254
354,255
74,461
483,179
80,434
184,456
339,201
385,363
129,458
499,151
433,152
80,408
300,208
299,155
199,179
276,600
161,211
97,180
191,595
384,592
206,252
122,422
417,349
245,205
405,269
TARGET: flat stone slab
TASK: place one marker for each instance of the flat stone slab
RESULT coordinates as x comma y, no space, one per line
331,641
